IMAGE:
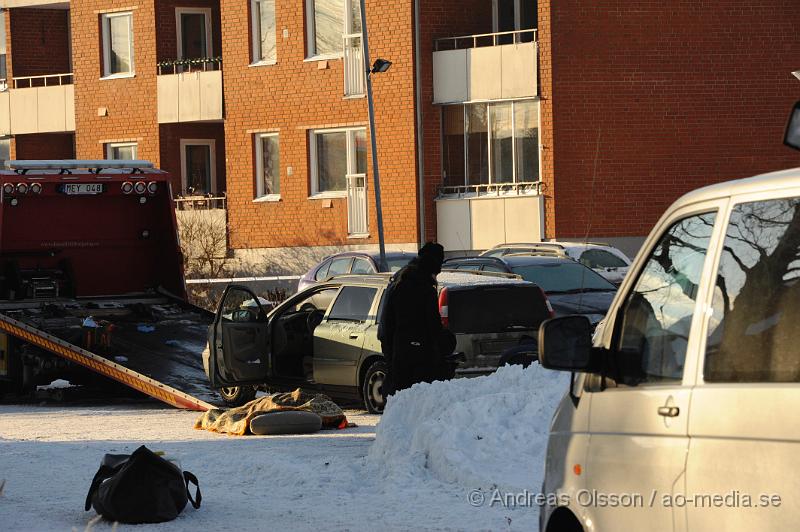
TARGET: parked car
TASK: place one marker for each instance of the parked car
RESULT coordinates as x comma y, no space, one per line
334,348
605,259
571,288
689,390
355,262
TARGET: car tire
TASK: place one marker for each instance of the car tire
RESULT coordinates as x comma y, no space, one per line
237,395
374,399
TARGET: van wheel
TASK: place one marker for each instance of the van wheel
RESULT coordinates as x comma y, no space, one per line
237,395
371,387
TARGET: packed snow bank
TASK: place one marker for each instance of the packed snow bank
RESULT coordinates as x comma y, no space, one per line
484,432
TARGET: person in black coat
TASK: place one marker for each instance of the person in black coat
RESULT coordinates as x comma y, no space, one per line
410,326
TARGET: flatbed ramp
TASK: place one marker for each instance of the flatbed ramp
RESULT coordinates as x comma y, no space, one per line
153,346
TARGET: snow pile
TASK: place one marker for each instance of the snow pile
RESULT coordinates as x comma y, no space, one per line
483,432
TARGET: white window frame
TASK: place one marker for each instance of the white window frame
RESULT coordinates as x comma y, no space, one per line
111,145
106,35
259,167
311,33
314,159
255,37
206,11
211,143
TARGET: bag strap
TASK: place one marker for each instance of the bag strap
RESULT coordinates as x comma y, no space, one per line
103,473
198,497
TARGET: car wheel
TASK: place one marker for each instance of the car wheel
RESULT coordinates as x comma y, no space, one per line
237,395
371,388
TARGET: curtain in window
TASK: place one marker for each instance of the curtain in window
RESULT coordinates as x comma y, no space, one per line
120,40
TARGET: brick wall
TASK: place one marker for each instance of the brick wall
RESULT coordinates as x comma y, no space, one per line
171,135
678,95
438,19
39,41
130,102
45,146
295,96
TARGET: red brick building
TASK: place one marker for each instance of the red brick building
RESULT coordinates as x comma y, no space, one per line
499,120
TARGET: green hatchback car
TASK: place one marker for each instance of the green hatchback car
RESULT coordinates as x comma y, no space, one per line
324,338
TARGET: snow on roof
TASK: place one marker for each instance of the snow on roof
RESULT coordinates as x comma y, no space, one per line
467,278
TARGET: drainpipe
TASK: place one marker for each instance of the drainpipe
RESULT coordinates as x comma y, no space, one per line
420,140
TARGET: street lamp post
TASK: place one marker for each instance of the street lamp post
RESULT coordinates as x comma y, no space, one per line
381,65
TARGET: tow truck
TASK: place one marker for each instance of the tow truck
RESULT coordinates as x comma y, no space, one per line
91,282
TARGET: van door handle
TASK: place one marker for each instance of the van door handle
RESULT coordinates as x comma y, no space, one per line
354,336
669,411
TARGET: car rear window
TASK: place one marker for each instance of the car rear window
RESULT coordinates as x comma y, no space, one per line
491,308
562,277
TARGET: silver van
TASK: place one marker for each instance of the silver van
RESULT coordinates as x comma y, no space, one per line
683,414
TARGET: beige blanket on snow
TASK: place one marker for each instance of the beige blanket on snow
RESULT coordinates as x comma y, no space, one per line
237,420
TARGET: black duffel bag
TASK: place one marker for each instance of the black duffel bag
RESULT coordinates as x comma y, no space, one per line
140,488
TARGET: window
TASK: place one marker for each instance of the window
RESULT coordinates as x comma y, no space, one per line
353,304
335,154
329,21
322,272
490,143
5,150
117,44
514,15
340,266
194,32
198,167
598,258
262,16
121,151
268,180
657,314
362,266
3,72
753,333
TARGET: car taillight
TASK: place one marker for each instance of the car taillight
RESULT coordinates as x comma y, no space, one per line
443,310
22,188
547,302
140,187
36,188
127,187
152,187
8,188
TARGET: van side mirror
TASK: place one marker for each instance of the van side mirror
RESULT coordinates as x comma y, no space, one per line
565,343
792,136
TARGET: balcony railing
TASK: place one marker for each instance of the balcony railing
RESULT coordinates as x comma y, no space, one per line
189,90
354,73
485,39
48,80
527,188
194,203
487,66
179,66
37,104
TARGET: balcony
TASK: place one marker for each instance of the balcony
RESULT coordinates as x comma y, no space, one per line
37,104
189,91
490,66
476,217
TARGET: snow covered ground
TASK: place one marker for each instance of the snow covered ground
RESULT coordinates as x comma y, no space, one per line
416,468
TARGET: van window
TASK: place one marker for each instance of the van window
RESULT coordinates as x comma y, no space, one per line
753,333
658,311
353,304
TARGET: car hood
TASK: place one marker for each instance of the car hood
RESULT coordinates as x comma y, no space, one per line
594,305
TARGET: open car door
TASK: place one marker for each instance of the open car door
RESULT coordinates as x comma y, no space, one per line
240,346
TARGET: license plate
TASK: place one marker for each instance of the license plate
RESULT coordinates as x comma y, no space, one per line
76,189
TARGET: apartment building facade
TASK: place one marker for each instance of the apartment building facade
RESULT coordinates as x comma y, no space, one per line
499,120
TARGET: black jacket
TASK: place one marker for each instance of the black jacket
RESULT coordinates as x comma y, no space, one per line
410,328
